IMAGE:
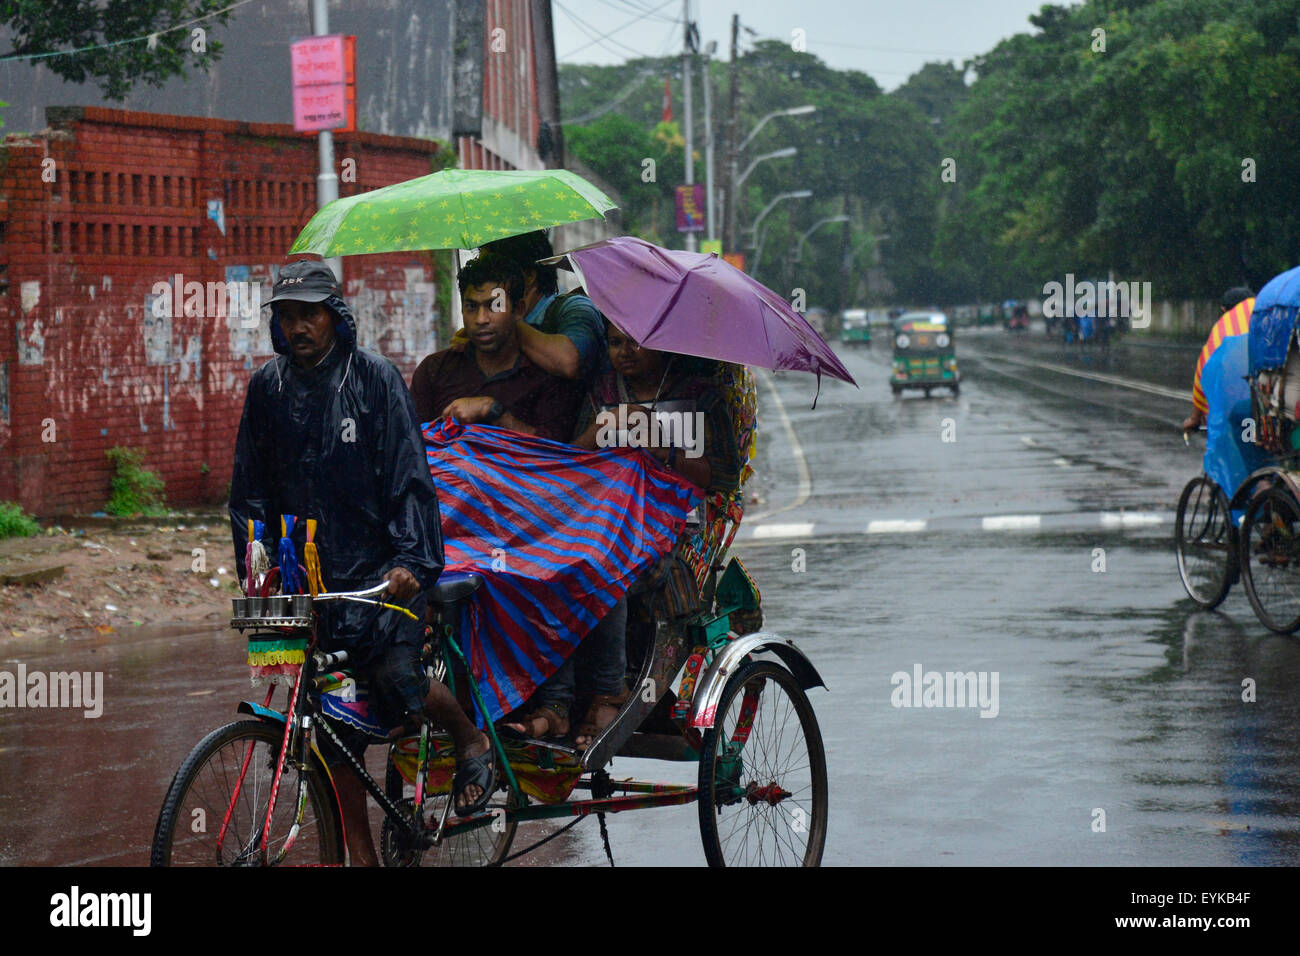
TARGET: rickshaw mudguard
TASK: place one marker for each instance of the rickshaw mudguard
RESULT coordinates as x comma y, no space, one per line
261,713
708,692
1243,494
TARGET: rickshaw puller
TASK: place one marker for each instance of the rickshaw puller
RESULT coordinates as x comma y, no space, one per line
329,432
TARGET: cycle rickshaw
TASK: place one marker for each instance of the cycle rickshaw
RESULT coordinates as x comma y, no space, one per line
708,688
1253,448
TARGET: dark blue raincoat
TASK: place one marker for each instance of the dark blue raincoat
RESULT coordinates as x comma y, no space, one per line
339,443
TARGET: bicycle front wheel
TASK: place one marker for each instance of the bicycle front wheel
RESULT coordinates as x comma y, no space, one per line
1270,559
1205,540
762,795
215,808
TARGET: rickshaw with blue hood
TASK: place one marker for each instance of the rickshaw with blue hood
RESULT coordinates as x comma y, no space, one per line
1269,541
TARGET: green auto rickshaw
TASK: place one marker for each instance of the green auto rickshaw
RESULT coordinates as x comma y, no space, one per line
924,354
855,327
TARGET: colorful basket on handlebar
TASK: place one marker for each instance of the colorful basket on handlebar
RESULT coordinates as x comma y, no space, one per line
275,658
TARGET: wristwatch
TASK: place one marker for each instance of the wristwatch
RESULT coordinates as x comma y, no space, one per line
495,411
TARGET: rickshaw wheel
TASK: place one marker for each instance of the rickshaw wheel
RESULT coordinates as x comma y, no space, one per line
1205,541
763,794
485,846
1270,559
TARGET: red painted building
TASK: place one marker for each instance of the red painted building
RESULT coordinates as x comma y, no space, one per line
104,206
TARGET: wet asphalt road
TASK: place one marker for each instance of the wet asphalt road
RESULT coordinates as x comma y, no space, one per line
1115,694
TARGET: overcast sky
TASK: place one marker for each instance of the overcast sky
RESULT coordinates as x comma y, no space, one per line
888,39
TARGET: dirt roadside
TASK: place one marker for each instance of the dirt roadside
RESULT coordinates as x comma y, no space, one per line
116,576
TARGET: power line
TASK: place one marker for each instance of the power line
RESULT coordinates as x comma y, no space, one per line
888,49
602,37
633,7
116,43
627,91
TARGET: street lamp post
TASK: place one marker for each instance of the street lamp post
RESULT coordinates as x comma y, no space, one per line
798,253
775,154
731,236
779,197
792,111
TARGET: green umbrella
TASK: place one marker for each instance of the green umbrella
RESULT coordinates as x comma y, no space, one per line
451,209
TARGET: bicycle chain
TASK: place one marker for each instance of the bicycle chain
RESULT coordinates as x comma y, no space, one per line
381,798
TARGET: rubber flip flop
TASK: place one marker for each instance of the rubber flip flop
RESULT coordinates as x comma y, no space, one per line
478,772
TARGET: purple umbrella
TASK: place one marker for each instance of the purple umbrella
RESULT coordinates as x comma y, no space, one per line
697,304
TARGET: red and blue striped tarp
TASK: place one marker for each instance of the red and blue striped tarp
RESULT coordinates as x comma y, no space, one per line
558,533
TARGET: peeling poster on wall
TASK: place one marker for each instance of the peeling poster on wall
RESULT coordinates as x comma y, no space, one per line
157,332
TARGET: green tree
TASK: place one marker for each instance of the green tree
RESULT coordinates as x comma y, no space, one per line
99,40
937,90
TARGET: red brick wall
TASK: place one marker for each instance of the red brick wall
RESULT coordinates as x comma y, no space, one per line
83,359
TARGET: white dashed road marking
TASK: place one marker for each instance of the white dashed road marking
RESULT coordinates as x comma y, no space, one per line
794,529
1064,523
1011,522
896,527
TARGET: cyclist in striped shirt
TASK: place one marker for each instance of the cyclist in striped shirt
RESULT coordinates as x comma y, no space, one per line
1237,303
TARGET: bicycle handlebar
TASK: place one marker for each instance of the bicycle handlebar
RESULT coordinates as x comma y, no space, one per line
379,588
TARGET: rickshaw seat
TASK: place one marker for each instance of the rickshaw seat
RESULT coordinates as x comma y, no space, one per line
455,588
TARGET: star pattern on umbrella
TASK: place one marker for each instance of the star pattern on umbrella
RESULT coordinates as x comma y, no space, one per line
476,205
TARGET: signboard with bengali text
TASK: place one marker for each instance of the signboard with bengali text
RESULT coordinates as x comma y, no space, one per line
324,83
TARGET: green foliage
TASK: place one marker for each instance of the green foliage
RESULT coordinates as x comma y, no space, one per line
41,26
878,151
616,149
1131,159
136,489
16,523
1068,158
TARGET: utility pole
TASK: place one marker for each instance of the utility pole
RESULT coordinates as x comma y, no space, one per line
710,207
730,240
327,180
686,107
846,259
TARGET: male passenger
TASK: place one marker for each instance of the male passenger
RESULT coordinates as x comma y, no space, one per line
561,334
491,380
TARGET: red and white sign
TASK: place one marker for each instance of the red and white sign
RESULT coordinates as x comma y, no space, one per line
324,83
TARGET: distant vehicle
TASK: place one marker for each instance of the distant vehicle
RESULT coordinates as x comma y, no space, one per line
924,354
964,315
855,326
1017,316
932,316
